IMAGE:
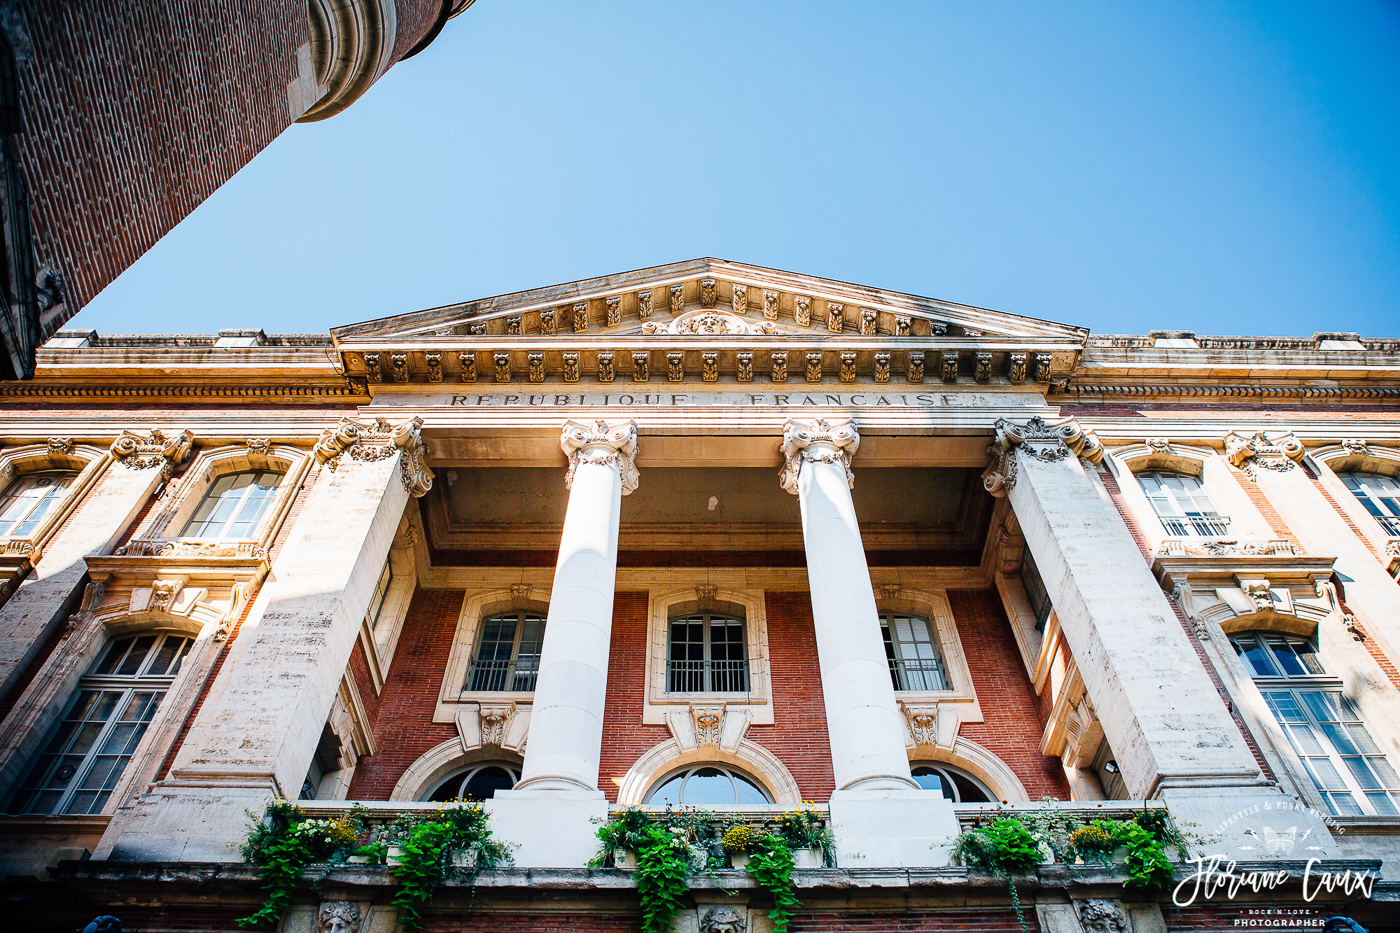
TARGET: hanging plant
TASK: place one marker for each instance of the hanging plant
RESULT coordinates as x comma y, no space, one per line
662,867
284,842
771,866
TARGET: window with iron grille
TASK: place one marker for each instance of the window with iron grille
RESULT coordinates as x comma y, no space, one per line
1323,726
1035,591
77,768
507,652
707,653
1379,495
915,663
1182,505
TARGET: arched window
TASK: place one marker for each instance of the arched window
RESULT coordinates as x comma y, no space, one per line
233,506
29,498
77,768
507,652
954,784
708,785
1181,503
913,655
479,781
1380,495
707,653
1324,728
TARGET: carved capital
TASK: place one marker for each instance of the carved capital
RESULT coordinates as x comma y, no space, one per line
603,443
379,442
156,449
819,441
1250,452
1040,440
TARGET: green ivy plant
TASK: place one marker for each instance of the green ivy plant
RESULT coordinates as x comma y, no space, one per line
427,844
662,867
1001,846
284,841
771,866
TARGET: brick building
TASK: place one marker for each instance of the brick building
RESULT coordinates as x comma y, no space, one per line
117,119
707,535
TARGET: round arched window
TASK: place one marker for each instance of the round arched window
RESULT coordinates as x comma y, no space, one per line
708,785
476,782
952,783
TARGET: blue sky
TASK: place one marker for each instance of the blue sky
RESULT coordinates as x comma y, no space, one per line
1230,168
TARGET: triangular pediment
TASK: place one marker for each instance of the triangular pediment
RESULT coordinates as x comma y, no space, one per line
706,297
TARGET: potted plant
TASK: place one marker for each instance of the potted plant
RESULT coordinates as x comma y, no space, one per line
808,836
737,841
622,837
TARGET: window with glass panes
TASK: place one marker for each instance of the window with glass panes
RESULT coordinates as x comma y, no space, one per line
28,499
1379,495
507,652
912,652
1182,505
1035,591
1323,727
381,590
233,506
77,768
706,653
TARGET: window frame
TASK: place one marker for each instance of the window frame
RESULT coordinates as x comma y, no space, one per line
898,663
707,672
1187,523
946,770
690,769
1295,686
523,618
127,688
466,772
1389,523
241,496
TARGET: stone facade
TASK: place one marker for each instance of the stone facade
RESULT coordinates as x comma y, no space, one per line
909,560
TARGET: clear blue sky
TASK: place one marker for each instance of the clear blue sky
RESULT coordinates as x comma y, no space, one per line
1232,168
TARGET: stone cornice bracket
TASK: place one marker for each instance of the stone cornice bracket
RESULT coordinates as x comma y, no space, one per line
413,465
819,441
601,442
378,442
138,452
335,441
1251,451
1039,439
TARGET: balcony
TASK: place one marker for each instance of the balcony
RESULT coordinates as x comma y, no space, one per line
516,676
707,676
1391,524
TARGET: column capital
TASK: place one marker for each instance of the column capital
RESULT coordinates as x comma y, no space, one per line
1039,439
1249,451
378,442
819,441
156,448
603,443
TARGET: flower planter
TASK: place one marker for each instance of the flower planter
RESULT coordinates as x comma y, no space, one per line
739,860
395,855
465,859
358,860
625,859
806,858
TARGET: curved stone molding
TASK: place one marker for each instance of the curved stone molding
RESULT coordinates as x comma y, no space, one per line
378,442
141,452
980,763
352,42
434,765
706,323
661,759
1252,451
819,441
601,442
1039,439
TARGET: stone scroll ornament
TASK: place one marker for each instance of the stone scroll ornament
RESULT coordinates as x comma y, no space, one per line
1037,439
379,442
156,449
819,441
604,443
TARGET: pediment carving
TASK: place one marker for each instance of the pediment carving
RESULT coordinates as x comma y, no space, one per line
710,322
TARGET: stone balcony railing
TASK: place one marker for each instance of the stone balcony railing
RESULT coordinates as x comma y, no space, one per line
1189,546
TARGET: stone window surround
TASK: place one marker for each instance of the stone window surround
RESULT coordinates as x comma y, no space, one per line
1369,458
211,463
477,605
977,761
959,703
18,554
665,603
379,645
441,760
748,756
1230,500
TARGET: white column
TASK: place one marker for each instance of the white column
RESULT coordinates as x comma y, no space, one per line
566,719
862,717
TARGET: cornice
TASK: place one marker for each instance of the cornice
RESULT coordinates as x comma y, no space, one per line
1075,391
350,391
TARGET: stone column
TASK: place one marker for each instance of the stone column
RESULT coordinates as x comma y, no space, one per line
566,719
549,814
862,719
260,723
882,818
1163,718
1171,733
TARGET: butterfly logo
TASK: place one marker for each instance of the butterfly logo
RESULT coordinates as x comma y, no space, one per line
1280,843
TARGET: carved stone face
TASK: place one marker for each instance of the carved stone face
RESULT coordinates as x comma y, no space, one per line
723,920
338,917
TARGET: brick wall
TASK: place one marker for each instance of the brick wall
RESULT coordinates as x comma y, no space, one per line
136,112
404,728
624,736
1013,723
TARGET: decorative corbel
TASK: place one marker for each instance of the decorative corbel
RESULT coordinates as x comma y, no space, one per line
1250,452
141,452
740,299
